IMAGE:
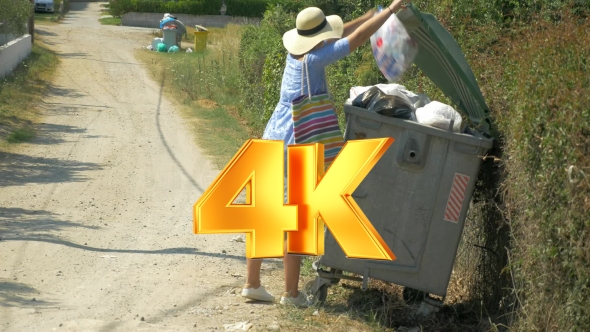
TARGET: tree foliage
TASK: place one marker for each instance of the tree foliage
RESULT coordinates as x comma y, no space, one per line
14,15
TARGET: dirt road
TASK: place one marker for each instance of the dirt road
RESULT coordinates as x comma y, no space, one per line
96,212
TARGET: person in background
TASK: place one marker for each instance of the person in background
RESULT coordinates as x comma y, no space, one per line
321,41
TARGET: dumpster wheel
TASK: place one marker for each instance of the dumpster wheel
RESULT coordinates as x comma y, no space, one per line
319,296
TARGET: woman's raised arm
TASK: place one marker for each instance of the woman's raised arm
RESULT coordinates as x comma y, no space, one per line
350,27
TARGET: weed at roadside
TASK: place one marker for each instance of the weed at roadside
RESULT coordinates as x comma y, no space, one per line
110,21
20,93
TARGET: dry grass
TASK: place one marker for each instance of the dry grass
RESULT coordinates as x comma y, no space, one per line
20,94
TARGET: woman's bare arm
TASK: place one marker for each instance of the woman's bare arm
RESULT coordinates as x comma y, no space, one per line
359,36
350,27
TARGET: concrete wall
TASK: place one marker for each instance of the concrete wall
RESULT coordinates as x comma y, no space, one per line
152,20
14,53
6,37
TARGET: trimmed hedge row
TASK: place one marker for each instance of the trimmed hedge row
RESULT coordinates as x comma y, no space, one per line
246,8
243,8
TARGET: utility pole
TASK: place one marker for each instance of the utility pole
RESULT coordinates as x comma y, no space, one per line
32,22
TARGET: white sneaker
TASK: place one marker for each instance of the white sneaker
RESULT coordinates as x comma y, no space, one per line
299,301
258,294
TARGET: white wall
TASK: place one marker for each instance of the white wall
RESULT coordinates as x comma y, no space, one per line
152,20
6,37
14,53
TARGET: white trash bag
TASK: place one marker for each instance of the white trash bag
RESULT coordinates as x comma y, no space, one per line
393,48
386,88
439,115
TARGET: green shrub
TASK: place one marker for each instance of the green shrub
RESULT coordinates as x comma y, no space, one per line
262,60
14,15
246,8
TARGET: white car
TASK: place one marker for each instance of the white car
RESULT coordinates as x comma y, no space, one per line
44,6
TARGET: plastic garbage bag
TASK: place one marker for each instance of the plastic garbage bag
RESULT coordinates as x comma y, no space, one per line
418,100
189,50
386,88
392,105
162,47
166,20
439,115
173,49
200,28
393,48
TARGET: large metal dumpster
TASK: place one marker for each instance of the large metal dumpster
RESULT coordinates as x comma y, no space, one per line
418,194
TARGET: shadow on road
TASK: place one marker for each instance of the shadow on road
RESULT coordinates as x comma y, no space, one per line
49,238
78,6
17,224
16,294
44,33
55,90
19,169
48,134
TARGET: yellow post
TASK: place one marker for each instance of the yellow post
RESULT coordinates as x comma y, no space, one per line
200,40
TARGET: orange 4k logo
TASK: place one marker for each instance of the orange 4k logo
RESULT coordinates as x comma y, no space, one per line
314,198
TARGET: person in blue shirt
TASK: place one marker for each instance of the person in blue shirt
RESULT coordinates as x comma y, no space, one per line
320,41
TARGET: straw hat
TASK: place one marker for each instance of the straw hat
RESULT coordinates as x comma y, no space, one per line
312,27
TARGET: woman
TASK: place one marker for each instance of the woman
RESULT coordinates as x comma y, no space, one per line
320,41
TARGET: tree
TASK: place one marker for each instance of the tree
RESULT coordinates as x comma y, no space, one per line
15,14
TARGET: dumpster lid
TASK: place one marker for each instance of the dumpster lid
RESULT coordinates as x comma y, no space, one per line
441,59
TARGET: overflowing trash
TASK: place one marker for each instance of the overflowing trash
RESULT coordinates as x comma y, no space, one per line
162,47
394,104
439,115
172,31
394,100
167,18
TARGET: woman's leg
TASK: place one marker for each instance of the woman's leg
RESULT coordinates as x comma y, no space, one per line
292,294
253,270
292,269
253,289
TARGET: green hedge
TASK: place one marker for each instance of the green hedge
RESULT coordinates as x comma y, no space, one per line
243,8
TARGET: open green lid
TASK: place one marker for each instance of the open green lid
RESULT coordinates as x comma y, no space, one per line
441,59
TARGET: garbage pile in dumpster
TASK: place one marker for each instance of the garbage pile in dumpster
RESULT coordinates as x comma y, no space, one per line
395,49
396,101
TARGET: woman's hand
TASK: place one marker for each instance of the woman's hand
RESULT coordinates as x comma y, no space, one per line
395,5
